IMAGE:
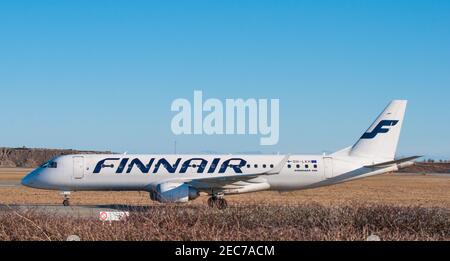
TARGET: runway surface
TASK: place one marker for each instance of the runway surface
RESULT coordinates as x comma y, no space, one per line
79,211
9,183
421,174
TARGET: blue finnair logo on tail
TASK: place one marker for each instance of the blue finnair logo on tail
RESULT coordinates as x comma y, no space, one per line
380,128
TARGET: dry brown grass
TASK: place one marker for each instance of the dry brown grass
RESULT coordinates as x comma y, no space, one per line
13,174
242,222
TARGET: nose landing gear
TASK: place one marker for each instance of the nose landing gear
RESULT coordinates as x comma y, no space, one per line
217,201
66,201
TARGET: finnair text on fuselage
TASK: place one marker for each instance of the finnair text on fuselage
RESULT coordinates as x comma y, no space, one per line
200,165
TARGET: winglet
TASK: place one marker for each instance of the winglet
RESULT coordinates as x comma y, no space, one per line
280,165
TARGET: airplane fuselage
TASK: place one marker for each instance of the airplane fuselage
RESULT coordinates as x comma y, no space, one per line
143,172
180,178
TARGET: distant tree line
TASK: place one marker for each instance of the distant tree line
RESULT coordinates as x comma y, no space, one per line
435,161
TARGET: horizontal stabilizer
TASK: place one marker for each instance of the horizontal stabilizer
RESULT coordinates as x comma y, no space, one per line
392,162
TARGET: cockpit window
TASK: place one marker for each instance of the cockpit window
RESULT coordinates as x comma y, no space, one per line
43,166
50,164
53,165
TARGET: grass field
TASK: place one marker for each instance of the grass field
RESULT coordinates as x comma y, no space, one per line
241,222
13,174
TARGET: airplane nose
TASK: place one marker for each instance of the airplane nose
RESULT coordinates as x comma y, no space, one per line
28,179
24,181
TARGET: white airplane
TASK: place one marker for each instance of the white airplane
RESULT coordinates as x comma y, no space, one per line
180,178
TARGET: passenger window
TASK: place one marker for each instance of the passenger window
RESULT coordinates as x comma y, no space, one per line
298,166
271,165
248,165
315,166
264,165
306,166
256,165
289,166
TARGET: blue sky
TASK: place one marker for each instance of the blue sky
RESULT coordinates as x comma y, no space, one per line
102,74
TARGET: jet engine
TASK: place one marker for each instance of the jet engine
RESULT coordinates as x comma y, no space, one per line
174,192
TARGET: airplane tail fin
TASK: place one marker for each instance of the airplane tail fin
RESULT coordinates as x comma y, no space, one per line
380,141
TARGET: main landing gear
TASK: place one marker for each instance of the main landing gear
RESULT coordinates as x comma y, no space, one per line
218,201
66,201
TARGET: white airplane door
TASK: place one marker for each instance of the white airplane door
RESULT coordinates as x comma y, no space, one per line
328,167
78,167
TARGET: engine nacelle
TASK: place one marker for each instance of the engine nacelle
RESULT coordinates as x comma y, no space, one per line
174,192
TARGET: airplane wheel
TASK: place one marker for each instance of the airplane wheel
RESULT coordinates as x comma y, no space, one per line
66,203
221,203
211,202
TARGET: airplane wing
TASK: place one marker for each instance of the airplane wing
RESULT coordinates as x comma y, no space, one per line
231,181
388,163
